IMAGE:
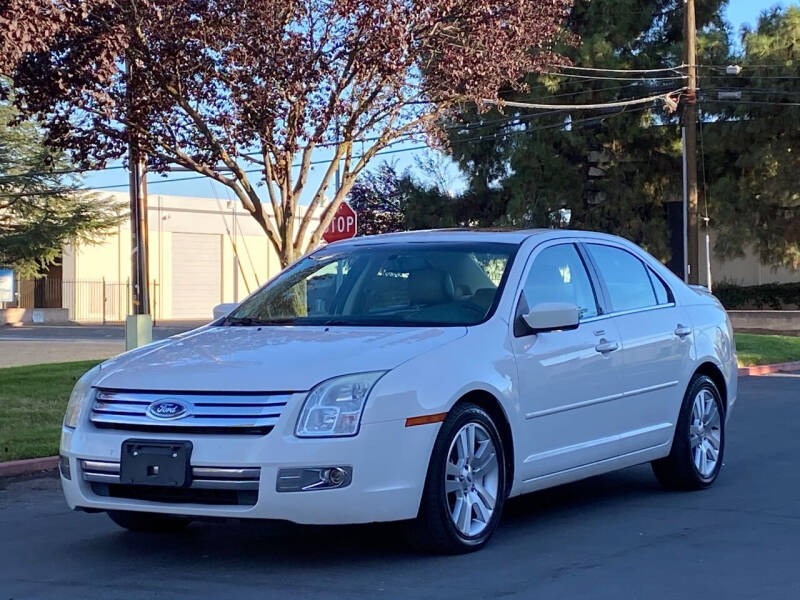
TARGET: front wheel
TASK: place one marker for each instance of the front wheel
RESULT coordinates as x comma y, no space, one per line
699,444
148,522
465,487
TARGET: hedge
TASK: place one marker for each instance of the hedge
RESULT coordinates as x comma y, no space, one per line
772,296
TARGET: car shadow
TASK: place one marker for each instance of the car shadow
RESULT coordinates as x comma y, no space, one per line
246,543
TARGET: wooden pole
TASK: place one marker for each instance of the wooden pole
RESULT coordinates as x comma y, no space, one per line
690,146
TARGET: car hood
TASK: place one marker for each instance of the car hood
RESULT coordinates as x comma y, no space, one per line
267,358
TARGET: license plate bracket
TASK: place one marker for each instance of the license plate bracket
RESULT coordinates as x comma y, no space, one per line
157,463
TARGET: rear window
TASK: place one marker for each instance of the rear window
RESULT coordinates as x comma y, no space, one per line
626,277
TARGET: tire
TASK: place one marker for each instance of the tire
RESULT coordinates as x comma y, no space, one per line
457,513
148,522
696,442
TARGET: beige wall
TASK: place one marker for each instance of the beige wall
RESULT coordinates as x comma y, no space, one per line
248,259
747,270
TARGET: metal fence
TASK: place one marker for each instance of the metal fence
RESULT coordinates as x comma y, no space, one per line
86,301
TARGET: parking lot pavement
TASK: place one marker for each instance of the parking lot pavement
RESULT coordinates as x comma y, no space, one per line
614,536
34,344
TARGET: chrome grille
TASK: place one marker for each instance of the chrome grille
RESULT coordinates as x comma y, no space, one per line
210,478
242,412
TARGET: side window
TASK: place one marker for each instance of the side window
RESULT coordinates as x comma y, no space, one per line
558,275
662,293
626,278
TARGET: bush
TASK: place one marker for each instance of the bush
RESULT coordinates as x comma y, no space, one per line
772,296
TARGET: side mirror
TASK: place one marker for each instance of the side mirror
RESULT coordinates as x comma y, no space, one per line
222,310
549,316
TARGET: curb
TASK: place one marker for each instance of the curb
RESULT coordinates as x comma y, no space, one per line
769,369
28,466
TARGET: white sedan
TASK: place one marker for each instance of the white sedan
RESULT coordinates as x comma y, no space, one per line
424,377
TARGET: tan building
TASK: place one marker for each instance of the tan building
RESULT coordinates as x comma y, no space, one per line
749,270
203,251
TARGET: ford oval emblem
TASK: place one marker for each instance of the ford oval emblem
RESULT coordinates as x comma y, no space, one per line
168,408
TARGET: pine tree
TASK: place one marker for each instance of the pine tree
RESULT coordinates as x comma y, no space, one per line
41,209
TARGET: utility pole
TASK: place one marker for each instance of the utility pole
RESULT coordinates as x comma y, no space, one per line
692,271
139,242
139,325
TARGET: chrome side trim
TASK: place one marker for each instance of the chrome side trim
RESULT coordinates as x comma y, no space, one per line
613,459
632,311
600,400
598,442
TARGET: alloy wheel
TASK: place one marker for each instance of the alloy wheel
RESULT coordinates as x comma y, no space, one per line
471,479
705,433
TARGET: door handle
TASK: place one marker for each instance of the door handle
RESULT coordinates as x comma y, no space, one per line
604,347
682,331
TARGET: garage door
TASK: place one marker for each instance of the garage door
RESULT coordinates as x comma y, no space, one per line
196,275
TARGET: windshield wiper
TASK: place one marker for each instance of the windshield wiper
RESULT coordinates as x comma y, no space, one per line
250,321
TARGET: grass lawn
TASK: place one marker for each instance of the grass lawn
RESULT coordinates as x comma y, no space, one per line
755,349
33,398
32,404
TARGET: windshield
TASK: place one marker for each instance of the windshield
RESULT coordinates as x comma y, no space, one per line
430,284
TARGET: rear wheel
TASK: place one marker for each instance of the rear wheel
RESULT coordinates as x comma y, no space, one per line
465,487
148,522
699,444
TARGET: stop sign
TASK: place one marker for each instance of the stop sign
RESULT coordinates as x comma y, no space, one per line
343,225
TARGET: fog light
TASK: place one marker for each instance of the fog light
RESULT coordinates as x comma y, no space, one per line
63,467
334,477
306,479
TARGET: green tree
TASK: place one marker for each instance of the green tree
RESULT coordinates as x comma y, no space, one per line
377,198
612,169
752,144
40,209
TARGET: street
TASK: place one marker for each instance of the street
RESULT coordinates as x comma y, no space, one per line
614,536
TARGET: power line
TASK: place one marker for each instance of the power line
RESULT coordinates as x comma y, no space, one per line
745,76
754,102
59,172
612,78
454,127
382,153
600,70
746,66
617,104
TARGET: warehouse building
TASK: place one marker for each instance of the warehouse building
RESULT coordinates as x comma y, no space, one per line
203,252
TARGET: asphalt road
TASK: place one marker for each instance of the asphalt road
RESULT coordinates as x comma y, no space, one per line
35,344
616,536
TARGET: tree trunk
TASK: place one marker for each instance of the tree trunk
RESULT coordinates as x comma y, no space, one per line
287,254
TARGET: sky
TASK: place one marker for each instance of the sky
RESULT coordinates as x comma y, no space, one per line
738,13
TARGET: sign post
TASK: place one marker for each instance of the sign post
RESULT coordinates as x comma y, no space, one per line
343,225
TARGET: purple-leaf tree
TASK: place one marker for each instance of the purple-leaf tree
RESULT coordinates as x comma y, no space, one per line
245,91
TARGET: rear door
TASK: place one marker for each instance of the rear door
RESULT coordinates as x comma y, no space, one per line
656,345
567,379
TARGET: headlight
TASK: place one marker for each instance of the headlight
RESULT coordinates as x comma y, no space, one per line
334,407
79,396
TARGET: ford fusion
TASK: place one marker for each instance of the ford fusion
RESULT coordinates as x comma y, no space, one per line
422,377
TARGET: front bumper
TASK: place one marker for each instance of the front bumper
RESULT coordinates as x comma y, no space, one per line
389,463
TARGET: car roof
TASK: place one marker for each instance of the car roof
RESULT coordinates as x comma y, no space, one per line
509,236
